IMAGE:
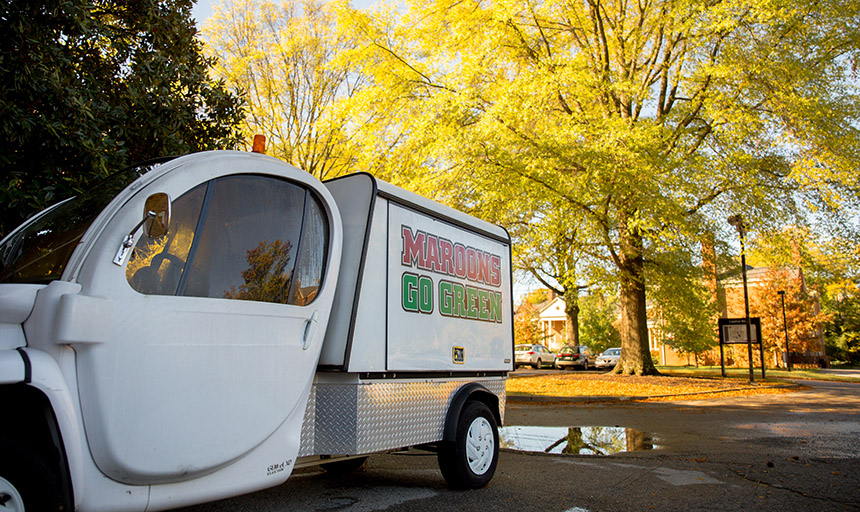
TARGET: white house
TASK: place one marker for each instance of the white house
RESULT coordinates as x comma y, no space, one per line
553,323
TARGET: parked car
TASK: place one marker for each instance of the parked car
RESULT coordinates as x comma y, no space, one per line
609,358
575,356
534,355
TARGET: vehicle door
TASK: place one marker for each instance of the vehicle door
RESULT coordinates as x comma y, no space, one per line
198,346
549,356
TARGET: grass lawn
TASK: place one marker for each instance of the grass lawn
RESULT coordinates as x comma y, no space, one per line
665,387
743,373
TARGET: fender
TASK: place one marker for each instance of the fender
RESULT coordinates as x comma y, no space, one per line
47,377
470,391
14,367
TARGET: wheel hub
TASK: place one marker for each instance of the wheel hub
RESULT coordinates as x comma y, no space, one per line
10,498
480,446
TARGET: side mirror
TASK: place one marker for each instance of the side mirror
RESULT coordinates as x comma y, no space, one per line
156,222
156,215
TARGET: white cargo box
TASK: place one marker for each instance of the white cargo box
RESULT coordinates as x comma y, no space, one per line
422,287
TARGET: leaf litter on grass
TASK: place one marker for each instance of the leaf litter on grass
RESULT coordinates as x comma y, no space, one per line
644,387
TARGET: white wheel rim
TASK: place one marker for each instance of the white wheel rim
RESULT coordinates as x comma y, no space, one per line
480,445
10,498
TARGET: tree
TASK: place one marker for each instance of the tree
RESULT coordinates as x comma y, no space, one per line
283,56
651,120
686,307
526,328
842,332
268,276
829,259
545,247
87,88
599,315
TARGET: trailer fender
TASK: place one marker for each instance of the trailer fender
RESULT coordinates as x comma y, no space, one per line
463,395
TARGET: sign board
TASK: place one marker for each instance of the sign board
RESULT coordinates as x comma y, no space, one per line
734,330
448,296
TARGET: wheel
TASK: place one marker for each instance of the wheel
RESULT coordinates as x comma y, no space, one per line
538,364
469,461
340,467
26,481
585,366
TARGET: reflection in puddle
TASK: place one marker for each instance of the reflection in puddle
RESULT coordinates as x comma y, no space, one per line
574,440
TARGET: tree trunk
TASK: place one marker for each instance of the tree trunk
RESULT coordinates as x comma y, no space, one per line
635,352
571,309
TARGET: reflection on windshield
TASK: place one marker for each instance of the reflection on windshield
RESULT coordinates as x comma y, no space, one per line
39,251
267,278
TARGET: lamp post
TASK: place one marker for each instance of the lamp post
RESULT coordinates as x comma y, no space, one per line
738,223
785,328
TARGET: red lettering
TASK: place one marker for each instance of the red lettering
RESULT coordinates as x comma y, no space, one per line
495,270
471,264
413,248
432,260
446,257
483,267
460,261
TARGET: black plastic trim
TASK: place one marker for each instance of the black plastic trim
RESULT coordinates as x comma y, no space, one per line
195,242
306,208
511,293
430,375
462,396
28,367
67,488
361,265
441,216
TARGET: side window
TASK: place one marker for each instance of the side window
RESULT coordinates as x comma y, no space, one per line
312,254
156,266
258,238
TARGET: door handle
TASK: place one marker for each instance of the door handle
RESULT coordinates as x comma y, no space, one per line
310,325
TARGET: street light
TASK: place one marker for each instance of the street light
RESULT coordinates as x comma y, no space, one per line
785,328
738,223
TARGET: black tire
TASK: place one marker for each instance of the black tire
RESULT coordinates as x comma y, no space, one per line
585,365
469,461
340,467
538,364
26,478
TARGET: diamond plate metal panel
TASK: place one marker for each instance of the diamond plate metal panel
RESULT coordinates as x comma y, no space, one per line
306,446
373,416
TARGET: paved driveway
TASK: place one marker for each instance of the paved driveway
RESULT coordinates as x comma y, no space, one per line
797,451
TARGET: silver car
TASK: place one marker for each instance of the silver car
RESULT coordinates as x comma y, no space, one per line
534,355
609,358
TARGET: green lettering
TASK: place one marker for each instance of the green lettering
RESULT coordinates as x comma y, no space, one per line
471,303
495,304
410,292
483,305
459,309
445,298
425,294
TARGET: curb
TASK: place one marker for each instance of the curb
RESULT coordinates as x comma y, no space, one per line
587,399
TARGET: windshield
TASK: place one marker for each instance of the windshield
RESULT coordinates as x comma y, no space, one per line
39,251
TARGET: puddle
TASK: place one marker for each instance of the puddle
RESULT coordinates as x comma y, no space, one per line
575,440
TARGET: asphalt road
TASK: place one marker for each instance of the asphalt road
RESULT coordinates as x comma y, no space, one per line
797,451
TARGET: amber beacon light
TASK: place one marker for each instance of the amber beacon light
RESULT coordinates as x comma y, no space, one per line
259,144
